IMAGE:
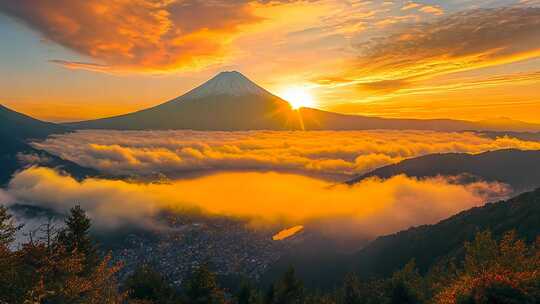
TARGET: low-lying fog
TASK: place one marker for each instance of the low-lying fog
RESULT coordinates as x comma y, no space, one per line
269,179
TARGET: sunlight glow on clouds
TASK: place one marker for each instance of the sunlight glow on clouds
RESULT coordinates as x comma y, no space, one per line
372,207
148,35
461,41
352,53
338,153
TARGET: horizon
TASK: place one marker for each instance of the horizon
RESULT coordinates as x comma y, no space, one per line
290,100
384,59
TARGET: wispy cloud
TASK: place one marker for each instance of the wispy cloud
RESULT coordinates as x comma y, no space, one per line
460,41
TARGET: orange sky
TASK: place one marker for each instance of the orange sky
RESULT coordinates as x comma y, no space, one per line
75,59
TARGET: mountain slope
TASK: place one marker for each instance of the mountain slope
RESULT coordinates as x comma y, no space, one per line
314,119
425,244
16,130
230,101
17,126
227,102
519,169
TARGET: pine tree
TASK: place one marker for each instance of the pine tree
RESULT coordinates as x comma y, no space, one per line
202,288
9,261
406,286
270,295
351,290
147,284
290,290
7,227
76,237
247,294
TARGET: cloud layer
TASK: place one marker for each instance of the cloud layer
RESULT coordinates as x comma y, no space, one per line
369,208
339,154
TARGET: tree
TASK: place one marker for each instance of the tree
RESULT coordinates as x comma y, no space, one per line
289,290
76,237
147,284
9,260
202,288
504,272
270,295
405,286
351,290
247,294
44,271
494,291
7,228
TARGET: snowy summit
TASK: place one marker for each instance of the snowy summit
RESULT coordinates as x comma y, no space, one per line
226,83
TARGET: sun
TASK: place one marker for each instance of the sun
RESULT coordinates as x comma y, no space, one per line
298,97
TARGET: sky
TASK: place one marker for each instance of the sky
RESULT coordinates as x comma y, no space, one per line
65,60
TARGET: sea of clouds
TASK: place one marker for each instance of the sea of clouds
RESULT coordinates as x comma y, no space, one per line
332,153
263,177
371,207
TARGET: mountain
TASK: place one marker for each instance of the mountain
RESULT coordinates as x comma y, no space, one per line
17,126
227,102
505,124
315,119
16,130
425,244
230,101
519,169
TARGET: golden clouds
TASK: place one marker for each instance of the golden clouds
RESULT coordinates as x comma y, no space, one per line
457,42
148,35
430,9
372,207
336,154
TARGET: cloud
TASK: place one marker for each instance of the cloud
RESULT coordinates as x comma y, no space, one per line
372,207
460,41
430,9
141,35
333,153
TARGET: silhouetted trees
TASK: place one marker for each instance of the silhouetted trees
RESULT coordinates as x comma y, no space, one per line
148,285
289,290
45,271
248,294
76,237
64,267
507,271
202,287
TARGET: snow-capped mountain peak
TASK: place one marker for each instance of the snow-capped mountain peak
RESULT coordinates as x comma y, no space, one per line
226,83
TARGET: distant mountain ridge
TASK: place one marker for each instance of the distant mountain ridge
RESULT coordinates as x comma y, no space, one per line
16,130
230,101
520,169
17,126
